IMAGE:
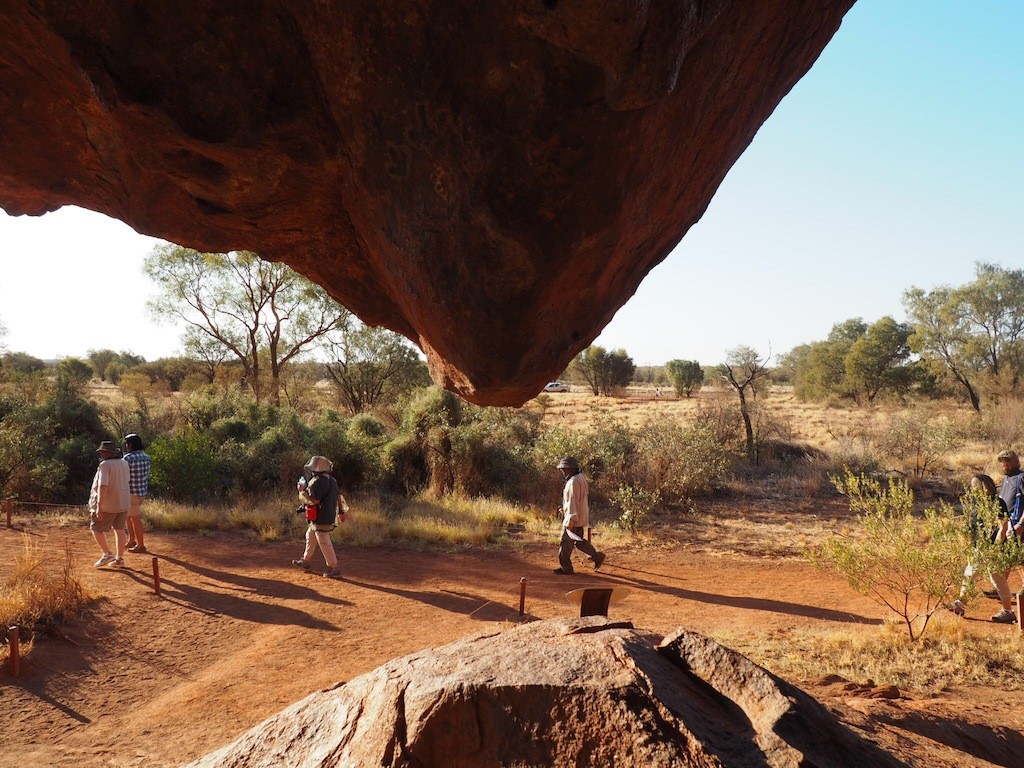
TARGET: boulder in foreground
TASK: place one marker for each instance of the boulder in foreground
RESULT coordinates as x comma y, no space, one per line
554,693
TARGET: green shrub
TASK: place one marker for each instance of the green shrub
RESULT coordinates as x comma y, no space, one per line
431,408
183,466
635,505
366,426
405,466
907,563
230,428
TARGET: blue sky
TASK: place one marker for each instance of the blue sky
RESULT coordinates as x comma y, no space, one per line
897,161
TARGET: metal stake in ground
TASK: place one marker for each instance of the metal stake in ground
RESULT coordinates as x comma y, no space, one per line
1020,618
522,596
13,638
589,529
156,576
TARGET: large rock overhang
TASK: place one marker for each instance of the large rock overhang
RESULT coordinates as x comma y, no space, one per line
492,180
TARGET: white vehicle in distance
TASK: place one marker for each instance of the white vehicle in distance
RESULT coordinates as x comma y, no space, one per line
556,386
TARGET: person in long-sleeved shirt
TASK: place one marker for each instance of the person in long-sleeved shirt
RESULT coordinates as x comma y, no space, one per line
575,511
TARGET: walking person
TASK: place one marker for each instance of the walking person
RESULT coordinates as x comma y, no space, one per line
322,499
1011,492
575,511
108,503
138,486
981,484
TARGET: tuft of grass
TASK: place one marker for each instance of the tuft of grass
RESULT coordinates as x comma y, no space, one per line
951,654
448,522
42,592
162,515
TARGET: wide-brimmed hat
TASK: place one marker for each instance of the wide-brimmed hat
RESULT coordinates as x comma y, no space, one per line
1008,456
109,446
567,462
319,464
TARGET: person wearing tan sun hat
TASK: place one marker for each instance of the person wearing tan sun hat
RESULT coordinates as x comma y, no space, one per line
321,499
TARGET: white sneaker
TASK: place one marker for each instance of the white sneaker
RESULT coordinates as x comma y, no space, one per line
117,562
106,559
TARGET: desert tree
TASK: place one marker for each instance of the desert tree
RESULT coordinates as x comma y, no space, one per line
879,361
975,331
603,371
818,369
744,369
263,313
370,366
686,376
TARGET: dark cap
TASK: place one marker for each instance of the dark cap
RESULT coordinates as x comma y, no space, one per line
567,462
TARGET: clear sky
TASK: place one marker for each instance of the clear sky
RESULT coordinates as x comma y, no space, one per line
897,161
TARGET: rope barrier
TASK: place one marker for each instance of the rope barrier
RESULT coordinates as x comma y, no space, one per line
45,504
521,585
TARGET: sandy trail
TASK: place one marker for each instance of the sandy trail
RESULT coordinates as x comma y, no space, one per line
239,634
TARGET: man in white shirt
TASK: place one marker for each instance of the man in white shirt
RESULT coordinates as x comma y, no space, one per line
575,511
109,502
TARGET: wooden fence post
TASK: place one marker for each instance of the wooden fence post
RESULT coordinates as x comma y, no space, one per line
9,509
14,640
156,575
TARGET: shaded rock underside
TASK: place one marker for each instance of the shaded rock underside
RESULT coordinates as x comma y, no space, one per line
492,180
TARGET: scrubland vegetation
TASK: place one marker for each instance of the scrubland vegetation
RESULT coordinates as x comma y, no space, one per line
921,406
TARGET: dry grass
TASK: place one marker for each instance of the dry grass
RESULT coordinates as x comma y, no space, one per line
41,593
845,431
442,523
953,653
452,522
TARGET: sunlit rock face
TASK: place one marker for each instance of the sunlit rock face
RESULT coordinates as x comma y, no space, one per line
557,693
491,179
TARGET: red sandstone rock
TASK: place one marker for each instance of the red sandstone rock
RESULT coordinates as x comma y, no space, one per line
491,179
543,694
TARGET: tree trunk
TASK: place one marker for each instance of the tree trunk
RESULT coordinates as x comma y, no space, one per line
748,428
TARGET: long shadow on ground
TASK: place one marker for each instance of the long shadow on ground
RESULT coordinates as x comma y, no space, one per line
211,601
470,605
749,603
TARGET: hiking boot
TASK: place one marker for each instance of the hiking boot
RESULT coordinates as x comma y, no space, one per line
1005,617
332,573
138,549
106,559
303,564
117,562
958,607
130,546
599,561
562,572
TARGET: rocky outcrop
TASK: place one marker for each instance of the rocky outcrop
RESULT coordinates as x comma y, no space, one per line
492,179
558,692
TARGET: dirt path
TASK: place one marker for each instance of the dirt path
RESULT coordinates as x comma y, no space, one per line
239,634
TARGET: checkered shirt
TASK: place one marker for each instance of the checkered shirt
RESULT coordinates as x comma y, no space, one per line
138,463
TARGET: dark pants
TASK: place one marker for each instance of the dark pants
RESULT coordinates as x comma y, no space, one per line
566,545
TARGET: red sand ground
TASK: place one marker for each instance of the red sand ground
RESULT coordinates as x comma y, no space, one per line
239,634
